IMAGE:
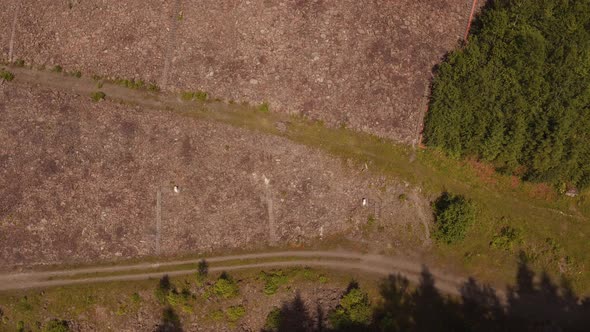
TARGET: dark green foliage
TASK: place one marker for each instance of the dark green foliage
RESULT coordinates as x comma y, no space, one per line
518,95
6,75
56,325
454,214
97,96
76,74
354,311
57,69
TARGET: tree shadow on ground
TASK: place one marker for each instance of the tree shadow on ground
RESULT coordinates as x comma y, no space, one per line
532,304
170,321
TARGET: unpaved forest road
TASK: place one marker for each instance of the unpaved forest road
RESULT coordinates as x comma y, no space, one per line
341,260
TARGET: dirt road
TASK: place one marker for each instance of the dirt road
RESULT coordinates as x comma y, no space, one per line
340,260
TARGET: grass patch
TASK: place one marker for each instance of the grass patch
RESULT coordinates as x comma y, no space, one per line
98,96
196,95
6,75
273,280
225,287
273,320
76,74
216,315
506,239
153,87
235,313
264,108
131,84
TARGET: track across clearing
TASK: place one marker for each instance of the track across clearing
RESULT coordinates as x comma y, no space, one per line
340,260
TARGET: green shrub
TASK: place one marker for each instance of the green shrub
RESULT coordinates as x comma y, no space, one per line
23,305
234,313
506,239
264,107
131,84
6,75
197,95
371,221
216,315
225,287
76,74
153,87
273,320
56,325
403,197
97,96
273,281
122,310
454,214
57,69
354,311
135,298
20,326
201,95
19,63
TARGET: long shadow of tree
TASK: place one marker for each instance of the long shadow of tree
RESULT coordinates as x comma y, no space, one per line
532,304
170,321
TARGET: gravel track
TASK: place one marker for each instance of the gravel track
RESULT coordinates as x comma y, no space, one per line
339,260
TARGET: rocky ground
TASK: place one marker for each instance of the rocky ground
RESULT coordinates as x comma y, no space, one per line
366,64
80,182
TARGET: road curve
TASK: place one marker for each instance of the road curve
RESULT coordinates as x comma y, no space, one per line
339,260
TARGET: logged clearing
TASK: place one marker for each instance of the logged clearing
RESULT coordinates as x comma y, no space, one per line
364,65
81,182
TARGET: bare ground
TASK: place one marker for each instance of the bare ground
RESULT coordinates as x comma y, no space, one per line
365,65
80,180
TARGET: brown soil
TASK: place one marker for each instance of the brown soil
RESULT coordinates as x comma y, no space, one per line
80,181
366,65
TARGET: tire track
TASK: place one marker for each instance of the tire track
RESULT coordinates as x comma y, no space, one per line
340,260
13,33
169,53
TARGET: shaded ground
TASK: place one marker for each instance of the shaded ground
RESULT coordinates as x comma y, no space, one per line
363,65
303,299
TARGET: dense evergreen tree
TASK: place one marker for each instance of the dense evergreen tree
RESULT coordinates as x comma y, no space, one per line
518,94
